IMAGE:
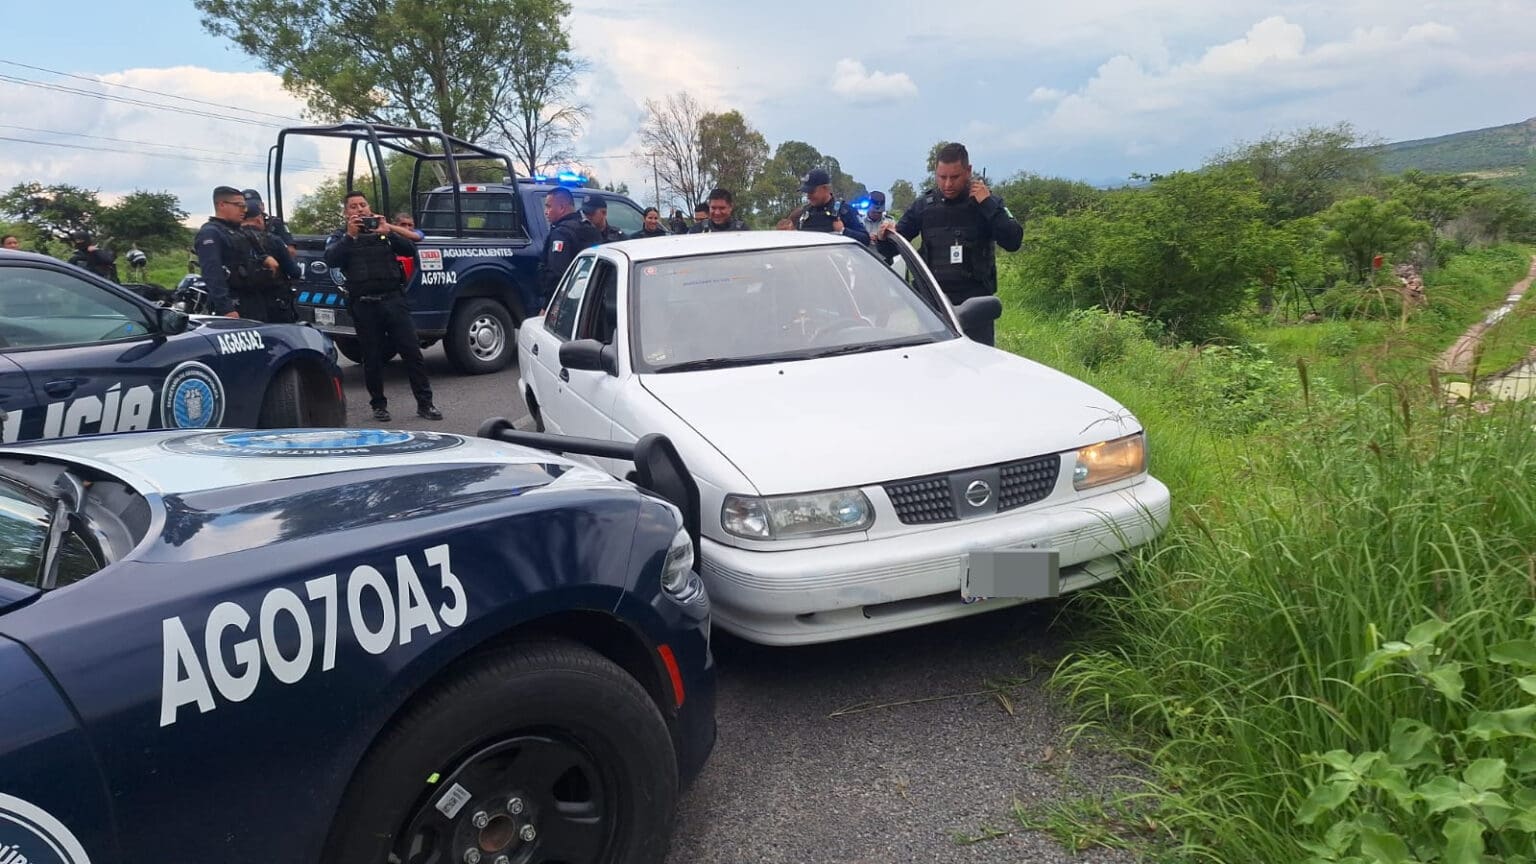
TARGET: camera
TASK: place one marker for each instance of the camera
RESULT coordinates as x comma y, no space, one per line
370,223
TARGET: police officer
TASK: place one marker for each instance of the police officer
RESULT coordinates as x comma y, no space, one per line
275,226
959,222
822,212
91,257
650,225
271,297
10,241
224,252
718,215
365,251
594,212
568,235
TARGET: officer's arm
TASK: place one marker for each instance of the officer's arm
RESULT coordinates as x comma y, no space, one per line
853,226
555,261
401,244
338,250
285,261
1006,230
911,223
210,262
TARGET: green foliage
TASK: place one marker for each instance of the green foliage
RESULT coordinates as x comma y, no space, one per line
1030,196
731,152
150,220
447,65
901,196
319,212
1240,387
1463,152
53,211
1361,228
1096,338
1302,173
1177,251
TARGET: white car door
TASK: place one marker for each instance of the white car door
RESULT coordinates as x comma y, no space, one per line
559,327
587,404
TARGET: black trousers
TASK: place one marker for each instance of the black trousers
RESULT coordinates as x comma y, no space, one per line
384,322
251,303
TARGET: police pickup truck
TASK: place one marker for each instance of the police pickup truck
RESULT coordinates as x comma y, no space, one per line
475,276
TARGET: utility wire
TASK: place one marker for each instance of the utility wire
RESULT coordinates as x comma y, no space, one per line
227,153
152,92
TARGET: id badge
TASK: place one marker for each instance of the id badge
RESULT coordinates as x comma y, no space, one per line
957,254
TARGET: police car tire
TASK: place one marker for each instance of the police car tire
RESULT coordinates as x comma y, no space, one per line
545,685
281,405
456,341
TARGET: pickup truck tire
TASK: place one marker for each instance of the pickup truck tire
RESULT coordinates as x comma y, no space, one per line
480,336
553,726
349,349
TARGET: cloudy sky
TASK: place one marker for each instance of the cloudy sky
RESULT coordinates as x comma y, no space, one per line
1091,89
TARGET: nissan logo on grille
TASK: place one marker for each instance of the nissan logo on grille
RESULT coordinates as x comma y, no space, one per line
318,268
978,493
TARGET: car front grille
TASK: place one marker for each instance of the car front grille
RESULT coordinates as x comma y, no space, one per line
932,499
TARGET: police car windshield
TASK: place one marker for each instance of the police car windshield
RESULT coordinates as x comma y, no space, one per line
771,305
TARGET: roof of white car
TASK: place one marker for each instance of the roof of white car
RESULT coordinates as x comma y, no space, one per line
679,245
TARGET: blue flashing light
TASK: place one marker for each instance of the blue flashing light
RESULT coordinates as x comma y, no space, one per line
540,178
571,178
862,204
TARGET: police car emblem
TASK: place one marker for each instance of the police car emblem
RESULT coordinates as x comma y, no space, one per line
29,833
319,268
192,398
313,442
338,277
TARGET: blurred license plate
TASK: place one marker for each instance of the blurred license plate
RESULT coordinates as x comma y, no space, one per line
1029,573
325,317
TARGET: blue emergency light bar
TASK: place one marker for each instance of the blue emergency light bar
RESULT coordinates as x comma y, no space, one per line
564,178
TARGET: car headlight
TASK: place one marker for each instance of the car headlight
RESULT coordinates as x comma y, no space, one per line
677,576
786,516
1109,461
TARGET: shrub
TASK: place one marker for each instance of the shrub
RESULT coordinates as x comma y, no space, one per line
1096,338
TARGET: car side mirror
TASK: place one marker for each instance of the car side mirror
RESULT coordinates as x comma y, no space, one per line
975,312
589,355
170,322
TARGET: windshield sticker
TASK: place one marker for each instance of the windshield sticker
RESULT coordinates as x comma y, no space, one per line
30,834
240,649
313,442
193,397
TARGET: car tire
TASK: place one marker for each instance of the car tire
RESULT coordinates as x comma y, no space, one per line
282,406
536,705
350,349
481,336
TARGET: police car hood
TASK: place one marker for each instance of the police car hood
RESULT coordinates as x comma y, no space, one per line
184,461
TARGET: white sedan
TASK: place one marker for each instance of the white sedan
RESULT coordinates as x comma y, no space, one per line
862,465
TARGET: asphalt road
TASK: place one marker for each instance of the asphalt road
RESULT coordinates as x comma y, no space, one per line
875,751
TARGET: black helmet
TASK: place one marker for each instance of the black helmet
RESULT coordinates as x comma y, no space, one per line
137,258
80,238
253,205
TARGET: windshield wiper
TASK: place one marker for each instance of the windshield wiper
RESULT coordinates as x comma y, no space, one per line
863,347
713,363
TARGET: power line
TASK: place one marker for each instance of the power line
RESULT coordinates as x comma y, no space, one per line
152,92
108,97
250,165
309,162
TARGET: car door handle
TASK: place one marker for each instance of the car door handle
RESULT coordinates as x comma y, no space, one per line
61,387
535,349
565,374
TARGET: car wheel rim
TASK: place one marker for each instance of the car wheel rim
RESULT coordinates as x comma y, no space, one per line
529,798
487,339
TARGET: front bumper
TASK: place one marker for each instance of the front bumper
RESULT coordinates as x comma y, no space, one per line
836,592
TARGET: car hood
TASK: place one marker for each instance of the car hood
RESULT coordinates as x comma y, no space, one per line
887,415
182,461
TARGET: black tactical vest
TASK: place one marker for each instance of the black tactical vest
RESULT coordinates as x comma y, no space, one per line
947,225
373,267
242,262
818,218
262,277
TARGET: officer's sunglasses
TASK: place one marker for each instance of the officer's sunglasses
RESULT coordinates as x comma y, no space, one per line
233,202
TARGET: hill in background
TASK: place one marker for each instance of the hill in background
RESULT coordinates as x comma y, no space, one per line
1505,155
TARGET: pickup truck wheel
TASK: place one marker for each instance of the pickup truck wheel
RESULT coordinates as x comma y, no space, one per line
479,338
546,751
349,349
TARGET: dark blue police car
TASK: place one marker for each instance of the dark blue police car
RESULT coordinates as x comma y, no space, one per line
475,277
346,646
80,355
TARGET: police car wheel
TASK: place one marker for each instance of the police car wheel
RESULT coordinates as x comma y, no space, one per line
480,336
543,752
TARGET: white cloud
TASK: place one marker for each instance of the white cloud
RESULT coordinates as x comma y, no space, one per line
1046,94
854,83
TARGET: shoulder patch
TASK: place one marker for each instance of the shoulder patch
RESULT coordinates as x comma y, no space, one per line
209,242
557,246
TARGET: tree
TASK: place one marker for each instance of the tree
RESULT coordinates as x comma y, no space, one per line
1030,196
443,65
1361,228
149,220
901,195
537,121
731,152
777,190
1303,172
933,158
319,212
52,211
670,137
1432,198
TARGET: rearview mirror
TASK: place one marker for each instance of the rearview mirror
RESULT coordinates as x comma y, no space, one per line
975,313
589,355
171,322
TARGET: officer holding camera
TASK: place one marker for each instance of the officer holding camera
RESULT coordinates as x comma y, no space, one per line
367,251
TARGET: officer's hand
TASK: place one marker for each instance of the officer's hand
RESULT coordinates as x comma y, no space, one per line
354,225
384,226
231,314
979,191
837,226
271,263
785,225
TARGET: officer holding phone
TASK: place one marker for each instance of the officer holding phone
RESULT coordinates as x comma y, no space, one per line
959,222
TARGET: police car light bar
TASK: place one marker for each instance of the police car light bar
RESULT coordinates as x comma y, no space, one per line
571,178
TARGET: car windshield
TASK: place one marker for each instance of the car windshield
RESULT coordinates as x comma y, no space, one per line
769,305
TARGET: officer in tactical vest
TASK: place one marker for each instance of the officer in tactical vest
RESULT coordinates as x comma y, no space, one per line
718,215
224,252
273,291
823,212
959,222
568,235
367,252
91,257
594,212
